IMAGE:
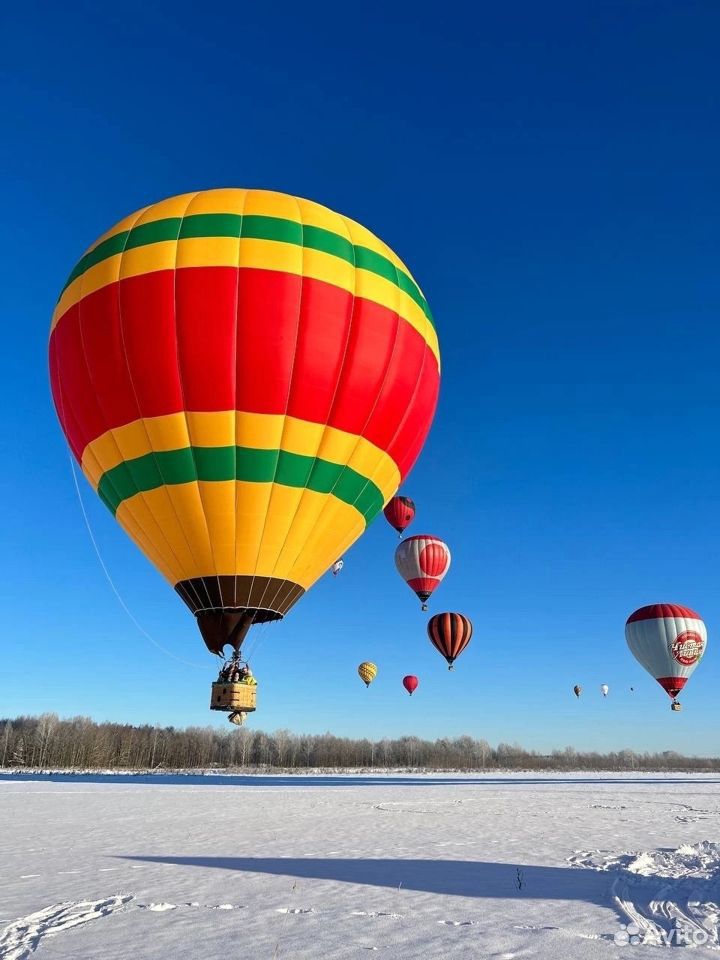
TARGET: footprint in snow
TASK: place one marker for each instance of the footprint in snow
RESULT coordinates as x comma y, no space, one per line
671,896
295,910
365,913
458,923
23,936
157,907
216,906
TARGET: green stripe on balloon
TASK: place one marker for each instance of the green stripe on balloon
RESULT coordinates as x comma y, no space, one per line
190,464
252,227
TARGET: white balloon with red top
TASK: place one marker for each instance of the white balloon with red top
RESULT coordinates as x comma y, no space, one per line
669,641
422,561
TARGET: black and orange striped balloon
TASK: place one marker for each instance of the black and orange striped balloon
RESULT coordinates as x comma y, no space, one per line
450,633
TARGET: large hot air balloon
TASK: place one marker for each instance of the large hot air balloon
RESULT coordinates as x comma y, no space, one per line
449,633
669,641
246,378
367,672
422,562
577,690
410,683
399,513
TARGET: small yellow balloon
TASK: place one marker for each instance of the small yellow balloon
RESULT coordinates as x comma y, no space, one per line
367,672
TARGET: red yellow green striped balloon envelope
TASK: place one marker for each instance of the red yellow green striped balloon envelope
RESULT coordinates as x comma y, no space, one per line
245,378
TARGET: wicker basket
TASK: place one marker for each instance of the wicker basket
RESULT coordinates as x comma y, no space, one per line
233,696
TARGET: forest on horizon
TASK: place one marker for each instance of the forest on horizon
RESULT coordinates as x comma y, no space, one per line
79,743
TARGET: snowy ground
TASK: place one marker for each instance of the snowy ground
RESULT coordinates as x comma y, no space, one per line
429,867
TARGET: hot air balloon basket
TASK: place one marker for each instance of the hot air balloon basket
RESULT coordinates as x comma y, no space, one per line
233,696
676,706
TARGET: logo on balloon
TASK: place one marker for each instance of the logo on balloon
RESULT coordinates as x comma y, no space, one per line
687,648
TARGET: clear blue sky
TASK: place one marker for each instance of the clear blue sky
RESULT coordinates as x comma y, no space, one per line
550,174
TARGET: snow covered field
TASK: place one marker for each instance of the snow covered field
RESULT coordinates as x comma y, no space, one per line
401,866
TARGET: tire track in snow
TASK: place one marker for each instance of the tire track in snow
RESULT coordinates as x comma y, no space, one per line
671,896
23,936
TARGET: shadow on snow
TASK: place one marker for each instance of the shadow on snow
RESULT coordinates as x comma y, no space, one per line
460,878
345,780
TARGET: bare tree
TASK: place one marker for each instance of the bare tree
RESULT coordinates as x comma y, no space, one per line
79,743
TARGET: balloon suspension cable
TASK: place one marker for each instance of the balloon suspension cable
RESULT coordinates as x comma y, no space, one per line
140,628
258,637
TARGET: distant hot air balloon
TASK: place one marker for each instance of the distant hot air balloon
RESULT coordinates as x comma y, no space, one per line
577,690
337,567
604,689
399,513
367,672
449,633
410,683
669,641
245,378
422,561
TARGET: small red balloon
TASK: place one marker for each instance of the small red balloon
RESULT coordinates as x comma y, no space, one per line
410,683
399,513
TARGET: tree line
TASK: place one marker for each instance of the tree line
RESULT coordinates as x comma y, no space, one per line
78,743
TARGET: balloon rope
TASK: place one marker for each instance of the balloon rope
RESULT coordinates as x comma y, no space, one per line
256,638
143,631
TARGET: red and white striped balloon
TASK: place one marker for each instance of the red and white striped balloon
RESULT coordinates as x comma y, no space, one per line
422,561
669,641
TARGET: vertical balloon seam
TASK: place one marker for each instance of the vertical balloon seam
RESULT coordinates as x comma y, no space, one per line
357,435
391,357
433,636
241,210
138,535
352,536
66,413
404,416
298,505
255,637
128,366
343,467
188,428
399,320
318,445
154,453
81,304
405,469
461,641
447,646
88,370
405,472
402,469
293,388
288,398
